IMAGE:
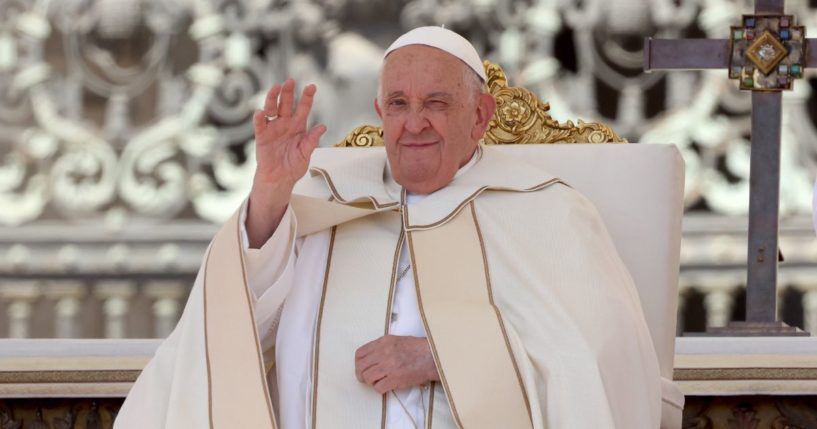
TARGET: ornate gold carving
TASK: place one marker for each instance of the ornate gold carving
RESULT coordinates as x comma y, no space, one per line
363,136
520,118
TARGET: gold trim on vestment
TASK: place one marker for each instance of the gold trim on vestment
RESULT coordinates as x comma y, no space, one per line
430,414
230,347
317,337
449,294
471,198
358,288
496,310
337,196
429,335
259,352
207,347
389,307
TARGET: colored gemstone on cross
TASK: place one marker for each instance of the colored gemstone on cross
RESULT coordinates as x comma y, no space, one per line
735,72
766,52
784,35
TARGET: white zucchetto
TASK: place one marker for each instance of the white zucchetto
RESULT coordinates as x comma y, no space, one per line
443,39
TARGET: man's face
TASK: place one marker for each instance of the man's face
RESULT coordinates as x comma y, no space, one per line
432,117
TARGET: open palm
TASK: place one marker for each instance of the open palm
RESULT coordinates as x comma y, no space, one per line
283,143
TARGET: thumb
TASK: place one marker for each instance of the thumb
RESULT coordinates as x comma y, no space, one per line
312,138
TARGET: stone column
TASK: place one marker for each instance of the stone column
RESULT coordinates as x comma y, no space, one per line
718,304
679,321
810,311
67,307
21,296
116,297
166,295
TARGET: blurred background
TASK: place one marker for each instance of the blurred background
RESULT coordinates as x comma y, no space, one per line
126,137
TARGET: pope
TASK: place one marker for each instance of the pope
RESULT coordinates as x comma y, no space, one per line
431,283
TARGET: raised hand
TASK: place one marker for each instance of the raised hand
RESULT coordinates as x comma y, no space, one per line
283,146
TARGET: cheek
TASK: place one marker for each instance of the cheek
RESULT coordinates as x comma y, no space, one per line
392,128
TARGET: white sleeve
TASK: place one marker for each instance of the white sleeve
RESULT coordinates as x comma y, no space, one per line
270,269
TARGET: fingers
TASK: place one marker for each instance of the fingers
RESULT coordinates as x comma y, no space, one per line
258,121
271,102
286,99
305,104
385,385
367,348
372,375
279,103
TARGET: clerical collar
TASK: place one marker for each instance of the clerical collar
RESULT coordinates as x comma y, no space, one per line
415,198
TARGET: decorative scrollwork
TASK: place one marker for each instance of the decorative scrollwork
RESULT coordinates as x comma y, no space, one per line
520,118
364,136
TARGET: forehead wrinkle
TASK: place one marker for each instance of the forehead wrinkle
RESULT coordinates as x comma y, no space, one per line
440,94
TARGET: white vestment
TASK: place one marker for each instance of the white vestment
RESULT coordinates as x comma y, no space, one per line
574,324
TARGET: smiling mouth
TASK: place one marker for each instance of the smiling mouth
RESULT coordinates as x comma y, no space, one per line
418,145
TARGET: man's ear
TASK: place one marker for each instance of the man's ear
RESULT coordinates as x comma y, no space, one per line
377,109
486,107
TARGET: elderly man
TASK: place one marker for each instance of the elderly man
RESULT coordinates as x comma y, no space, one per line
434,284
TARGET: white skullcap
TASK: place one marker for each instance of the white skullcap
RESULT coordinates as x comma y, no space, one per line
446,40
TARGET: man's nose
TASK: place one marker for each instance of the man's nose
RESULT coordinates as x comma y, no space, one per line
416,121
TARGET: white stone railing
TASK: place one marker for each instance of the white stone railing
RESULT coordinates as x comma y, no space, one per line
76,309
136,285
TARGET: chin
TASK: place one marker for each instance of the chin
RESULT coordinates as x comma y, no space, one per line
423,181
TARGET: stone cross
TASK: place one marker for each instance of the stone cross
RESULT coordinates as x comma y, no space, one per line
767,52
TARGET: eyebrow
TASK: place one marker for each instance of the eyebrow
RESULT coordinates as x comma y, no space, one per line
437,94
440,94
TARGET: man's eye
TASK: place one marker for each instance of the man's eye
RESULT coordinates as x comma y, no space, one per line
436,104
397,103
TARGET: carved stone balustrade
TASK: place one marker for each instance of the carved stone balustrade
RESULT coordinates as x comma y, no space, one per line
713,261
116,296
92,282
167,296
20,296
68,298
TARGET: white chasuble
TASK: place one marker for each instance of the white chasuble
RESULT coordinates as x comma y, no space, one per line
532,318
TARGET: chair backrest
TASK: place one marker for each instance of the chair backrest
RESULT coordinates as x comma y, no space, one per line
637,188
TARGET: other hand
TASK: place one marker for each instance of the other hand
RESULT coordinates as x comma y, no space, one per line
395,362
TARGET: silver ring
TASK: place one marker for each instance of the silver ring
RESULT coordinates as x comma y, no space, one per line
268,118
